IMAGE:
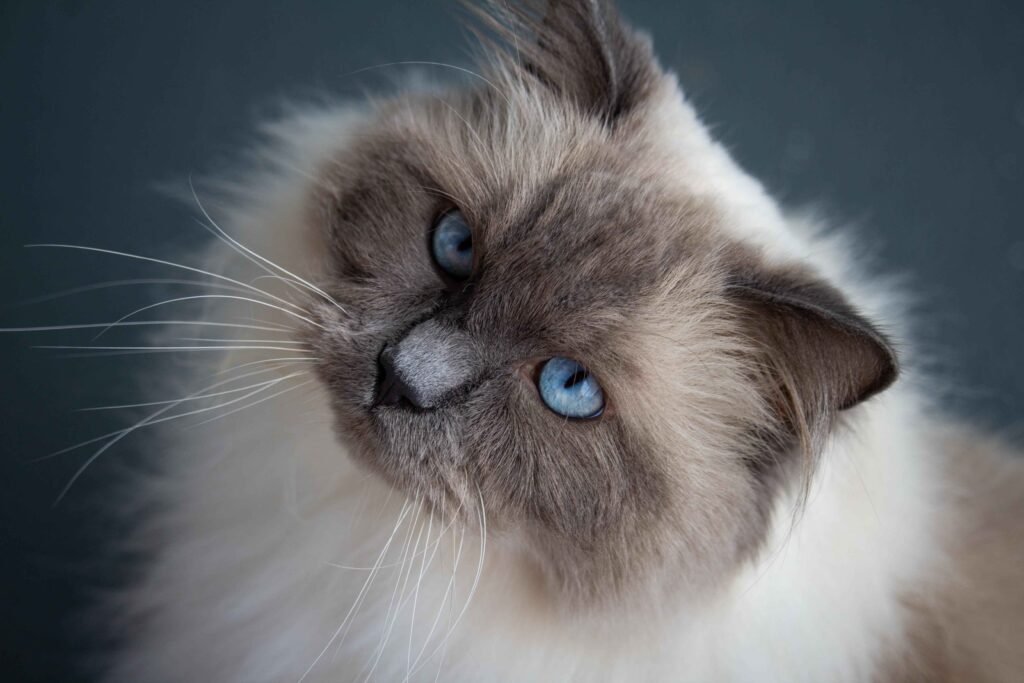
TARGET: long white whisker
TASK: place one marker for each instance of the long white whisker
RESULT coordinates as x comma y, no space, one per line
293,284
250,405
432,547
238,245
277,326
261,387
451,603
285,360
158,349
108,435
280,278
366,585
243,341
451,607
196,297
123,283
476,579
139,323
447,590
403,553
391,615
147,404
145,422
170,264
416,593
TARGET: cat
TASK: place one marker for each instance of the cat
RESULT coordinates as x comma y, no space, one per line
544,387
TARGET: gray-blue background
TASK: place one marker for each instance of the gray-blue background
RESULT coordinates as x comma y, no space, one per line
905,118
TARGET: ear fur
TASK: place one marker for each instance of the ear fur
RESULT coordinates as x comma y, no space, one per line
821,355
580,49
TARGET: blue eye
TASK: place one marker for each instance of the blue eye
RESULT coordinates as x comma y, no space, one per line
452,244
568,389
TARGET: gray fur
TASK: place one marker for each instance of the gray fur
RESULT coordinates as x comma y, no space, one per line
584,249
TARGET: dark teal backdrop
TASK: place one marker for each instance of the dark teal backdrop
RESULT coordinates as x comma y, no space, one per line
903,118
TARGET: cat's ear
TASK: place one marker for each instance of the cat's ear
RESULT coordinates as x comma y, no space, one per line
580,49
820,355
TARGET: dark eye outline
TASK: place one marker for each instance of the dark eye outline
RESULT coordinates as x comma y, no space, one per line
448,276
534,371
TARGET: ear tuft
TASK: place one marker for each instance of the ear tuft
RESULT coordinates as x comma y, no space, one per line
580,49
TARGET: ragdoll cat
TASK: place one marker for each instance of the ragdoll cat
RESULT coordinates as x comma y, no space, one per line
544,387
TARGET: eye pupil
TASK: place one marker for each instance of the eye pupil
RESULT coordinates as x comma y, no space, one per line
575,379
569,390
452,245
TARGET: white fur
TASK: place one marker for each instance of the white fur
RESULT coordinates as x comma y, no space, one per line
263,506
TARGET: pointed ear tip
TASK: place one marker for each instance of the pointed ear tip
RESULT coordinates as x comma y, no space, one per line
883,374
811,326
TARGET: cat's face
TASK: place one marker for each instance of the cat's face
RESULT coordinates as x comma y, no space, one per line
539,320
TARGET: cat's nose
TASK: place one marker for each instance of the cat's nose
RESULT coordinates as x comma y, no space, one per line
429,365
391,388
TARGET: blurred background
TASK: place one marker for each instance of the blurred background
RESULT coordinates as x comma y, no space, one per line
905,119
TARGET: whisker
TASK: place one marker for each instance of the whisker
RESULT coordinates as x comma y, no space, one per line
366,584
250,405
280,278
287,360
217,230
196,297
123,283
138,323
404,553
146,422
243,341
448,588
389,618
171,264
103,437
147,404
432,546
416,593
451,606
168,349
476,579
275,326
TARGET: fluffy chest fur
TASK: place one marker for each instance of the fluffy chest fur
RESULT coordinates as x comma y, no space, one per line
267,575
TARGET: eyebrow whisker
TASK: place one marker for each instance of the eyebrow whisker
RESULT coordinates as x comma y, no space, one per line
256,258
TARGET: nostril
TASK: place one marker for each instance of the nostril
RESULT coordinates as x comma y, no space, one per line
386,390
391,389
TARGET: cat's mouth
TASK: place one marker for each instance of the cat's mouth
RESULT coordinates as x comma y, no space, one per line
404,423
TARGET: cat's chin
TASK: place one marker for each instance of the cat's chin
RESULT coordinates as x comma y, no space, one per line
402,448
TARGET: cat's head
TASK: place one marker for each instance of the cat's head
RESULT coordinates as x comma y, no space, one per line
552,310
